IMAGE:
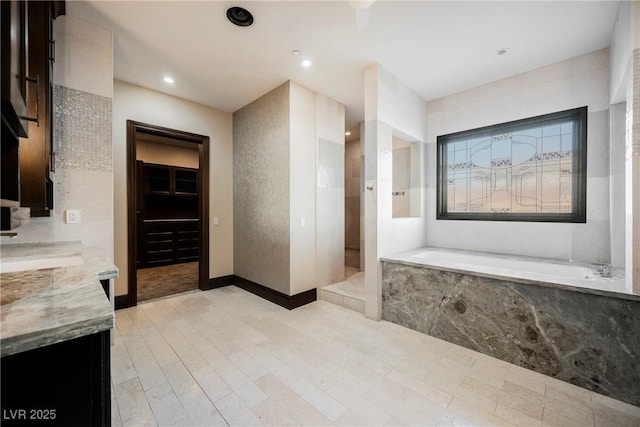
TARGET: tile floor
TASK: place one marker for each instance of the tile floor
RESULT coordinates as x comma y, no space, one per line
349,293
227,357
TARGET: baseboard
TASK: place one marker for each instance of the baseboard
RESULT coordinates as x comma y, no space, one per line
121,301
283,300
287,301
219,282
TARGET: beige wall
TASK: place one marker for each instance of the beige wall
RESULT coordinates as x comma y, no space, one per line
164,154
132,102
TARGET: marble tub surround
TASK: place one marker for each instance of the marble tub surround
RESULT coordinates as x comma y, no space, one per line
505,267
48,306
584,338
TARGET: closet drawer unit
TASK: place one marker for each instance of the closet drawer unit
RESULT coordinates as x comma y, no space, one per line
165,242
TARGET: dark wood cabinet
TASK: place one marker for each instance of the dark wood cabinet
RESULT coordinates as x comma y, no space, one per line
27,102
64,384
168,225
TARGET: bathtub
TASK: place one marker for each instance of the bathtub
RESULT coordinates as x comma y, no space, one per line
558,318
543,271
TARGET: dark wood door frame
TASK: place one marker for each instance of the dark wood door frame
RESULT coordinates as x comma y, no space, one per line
133,129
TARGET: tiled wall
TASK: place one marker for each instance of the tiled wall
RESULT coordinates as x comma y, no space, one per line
329,123
569,84
82,98
352,186
391,109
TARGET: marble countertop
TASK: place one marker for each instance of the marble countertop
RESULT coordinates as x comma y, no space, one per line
611,287
47,306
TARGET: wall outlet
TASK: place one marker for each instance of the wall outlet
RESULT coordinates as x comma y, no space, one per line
72,216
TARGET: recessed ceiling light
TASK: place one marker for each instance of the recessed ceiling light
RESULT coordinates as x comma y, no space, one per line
347,133
306,63
239,16
168,79
502,51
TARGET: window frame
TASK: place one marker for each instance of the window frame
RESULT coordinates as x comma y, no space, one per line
579,168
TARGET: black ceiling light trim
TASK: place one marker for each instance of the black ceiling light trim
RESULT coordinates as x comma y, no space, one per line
239,16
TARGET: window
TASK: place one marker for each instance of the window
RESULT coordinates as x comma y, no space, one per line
527,170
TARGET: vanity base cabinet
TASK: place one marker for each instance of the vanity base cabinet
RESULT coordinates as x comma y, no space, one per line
66,384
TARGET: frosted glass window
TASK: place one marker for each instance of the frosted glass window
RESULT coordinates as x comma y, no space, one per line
528,170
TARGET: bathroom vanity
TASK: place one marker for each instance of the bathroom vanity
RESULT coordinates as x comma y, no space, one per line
55,326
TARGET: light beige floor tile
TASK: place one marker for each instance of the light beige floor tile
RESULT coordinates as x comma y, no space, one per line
235,412
425,390
581,414
200,410
179,378
165,406
398,409
516,417
524,392
310,417
149,373
321,401
211,383
358,405
249,393
476,415
555,419
271,414
146,420
206,357
132,402
502,397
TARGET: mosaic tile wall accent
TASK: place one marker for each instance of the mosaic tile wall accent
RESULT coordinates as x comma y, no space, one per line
585,339
261,190
82,130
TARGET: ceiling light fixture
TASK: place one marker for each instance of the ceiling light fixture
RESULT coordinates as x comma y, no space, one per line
347,133
502,51
169,79
306,63
239,16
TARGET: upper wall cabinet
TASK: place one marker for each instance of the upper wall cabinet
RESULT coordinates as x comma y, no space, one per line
28,53
14,66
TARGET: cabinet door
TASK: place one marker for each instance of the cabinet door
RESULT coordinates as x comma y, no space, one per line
35,184
157,179
14,66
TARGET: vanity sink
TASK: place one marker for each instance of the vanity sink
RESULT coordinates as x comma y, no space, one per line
12,265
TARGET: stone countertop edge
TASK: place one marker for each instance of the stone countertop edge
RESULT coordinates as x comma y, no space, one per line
60,304
405,258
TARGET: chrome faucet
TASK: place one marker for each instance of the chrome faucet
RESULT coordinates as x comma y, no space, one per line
605,270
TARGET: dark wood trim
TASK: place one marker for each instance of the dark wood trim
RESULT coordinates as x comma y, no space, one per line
133,128
287,301
219,282
121,301
203,209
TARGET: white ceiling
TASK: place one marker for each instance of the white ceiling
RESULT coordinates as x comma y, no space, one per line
435,48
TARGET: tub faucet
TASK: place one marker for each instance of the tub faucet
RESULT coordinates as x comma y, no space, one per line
605,270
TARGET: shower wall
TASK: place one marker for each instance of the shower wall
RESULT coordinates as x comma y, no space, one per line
352,190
